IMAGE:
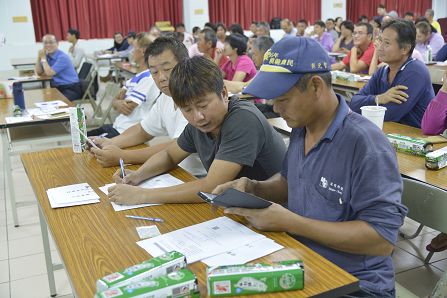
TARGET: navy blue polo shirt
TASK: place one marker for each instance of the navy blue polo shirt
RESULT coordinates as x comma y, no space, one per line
413,74
63,67
350,174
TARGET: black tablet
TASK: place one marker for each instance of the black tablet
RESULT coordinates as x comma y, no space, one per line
235,198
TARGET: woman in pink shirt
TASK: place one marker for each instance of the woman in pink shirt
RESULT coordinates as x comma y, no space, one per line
240,67
435,122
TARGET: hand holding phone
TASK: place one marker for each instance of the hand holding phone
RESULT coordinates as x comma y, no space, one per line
235,198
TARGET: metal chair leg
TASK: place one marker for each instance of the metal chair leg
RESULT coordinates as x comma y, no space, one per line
407,237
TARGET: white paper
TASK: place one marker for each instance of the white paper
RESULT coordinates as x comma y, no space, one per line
18,119
107,56
23,78
164,180
45,105
245,253
202,240
72,195
148,231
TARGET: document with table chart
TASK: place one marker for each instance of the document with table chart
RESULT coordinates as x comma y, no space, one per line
204,240
72,195
164,180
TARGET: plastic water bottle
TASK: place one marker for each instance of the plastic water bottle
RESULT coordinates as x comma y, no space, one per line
429,55
17,92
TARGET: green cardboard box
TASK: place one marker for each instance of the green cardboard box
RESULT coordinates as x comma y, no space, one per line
437,159
164,264
410,145
255,278
181,283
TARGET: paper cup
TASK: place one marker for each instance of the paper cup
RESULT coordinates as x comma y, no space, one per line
374,114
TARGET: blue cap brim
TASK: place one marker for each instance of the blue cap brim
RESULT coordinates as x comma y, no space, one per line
269,85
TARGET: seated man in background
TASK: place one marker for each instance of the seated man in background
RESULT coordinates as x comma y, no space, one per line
207,45
425,37
340,180
232,138
403,86
56,64
430,16
301,27
263,29
163,119
76,53
128,53
323,37
288,28
359,58
137,96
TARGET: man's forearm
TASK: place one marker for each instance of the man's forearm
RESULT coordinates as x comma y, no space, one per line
273,189
134,135
356,237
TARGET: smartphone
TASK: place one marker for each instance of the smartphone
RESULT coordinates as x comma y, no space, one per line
235,198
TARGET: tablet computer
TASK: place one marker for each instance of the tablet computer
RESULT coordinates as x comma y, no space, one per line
235,198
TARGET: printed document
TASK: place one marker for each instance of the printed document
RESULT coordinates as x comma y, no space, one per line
201,241
72,195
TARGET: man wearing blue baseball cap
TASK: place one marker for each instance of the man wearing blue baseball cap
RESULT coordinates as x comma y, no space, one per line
340,180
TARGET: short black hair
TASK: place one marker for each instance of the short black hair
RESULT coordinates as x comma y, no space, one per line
362,17
263,43
194,78
179,25
369,27
320,23
381,6
210,35
409,13
304,80
424,27
195,29
221,25
237,41
132,34
162,43
348,25
406,33
331,19
117,32
236,28
302,21
210,25
75,32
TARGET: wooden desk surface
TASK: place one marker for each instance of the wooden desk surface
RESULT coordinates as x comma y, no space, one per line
414,166
355,86
94,240
23,61
31,97
126,67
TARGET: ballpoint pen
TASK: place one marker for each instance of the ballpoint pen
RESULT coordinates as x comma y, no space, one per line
122,168
145,218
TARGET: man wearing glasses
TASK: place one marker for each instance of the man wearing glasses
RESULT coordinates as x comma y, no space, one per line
54,63
360,56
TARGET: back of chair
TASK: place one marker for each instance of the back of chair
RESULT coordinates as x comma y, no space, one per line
426,204
85,70
443,23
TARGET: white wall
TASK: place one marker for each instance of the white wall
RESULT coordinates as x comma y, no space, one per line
333,9
440,8
195,13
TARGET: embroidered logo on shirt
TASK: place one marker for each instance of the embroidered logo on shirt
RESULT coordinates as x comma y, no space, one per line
323,182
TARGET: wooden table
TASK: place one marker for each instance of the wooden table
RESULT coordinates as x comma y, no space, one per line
414,166
94,240
25,79
18,137
349,88
436,73
24,63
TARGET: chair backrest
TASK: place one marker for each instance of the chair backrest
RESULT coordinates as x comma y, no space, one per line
84,72
443,23
426,204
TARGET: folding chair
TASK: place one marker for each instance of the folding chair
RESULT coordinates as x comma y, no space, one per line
426,205
100,116
87,76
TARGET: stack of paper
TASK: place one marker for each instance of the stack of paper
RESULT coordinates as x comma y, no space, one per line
217,242
53,104
164,180
72,195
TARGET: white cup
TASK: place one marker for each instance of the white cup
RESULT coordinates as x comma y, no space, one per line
374,114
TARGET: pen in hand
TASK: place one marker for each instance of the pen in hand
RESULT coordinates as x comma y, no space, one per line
145,218
122,168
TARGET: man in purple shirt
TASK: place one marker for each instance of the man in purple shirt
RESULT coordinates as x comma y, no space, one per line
425,38
323,37
340,178
403,86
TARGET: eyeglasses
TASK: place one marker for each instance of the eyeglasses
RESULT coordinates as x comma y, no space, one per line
49,42
358,33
